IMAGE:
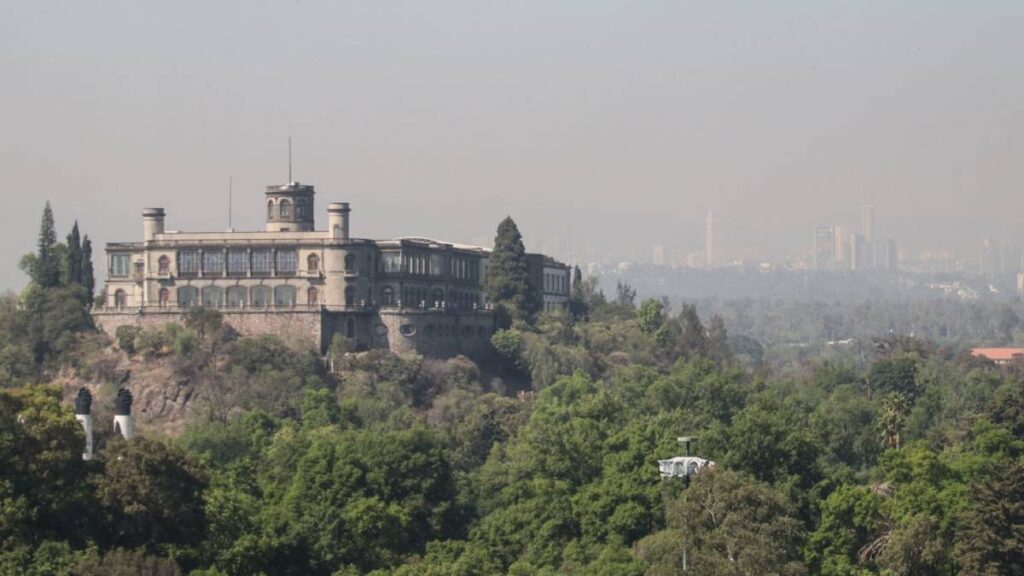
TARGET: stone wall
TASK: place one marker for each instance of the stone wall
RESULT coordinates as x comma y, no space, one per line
292,326
434,333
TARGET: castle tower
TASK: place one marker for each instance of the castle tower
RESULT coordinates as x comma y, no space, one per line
83,413
123,424
152,223
290,208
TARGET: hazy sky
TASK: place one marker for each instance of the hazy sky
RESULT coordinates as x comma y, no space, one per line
614,123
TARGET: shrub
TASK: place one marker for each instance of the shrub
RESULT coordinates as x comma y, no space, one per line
125,336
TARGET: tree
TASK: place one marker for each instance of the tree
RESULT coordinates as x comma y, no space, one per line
734,525
508,282
894,415
46,268
625,295
718,340
692,338
578,305
650,317
73,257
88,277
991,540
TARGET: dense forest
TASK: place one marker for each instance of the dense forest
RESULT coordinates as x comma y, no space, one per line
905,456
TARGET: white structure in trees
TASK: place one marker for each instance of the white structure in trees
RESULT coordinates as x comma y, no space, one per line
684,466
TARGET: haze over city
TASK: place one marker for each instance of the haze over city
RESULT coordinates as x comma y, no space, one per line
607,127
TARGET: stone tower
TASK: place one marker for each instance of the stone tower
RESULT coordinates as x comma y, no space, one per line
290,208
83,413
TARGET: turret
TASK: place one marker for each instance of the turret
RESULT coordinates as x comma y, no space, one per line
83,413
290,208
337,220
152,223
123,424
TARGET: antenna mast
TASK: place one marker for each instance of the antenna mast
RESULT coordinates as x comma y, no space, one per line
289,159
229,201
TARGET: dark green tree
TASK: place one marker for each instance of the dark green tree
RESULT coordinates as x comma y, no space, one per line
46,268
508,282
718,340
73,257
692,339
578,305
88,276
991,540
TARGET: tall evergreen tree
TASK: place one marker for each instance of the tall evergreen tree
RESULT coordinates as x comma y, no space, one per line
508,276
46,270
88,279
73,257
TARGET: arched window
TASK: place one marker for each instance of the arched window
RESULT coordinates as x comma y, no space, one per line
270,210
350,263
436,298
164,297
350,297
164,264
313,263
387,296
236,297
300,208
284,209
284,296
120,299
260,296
350,328
312,296
187,296
212,296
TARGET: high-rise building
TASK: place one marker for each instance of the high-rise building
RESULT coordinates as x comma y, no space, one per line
886,256
659,255
867,223
824,249
710,240
989,263
861,257
841,249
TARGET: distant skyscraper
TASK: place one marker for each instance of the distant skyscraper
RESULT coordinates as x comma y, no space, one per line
867,223
860,253
989,258
659,256
841,249
824,247
710,241
886,256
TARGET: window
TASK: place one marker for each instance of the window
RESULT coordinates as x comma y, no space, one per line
260,296
164,265
120,299
300,208
435,265
187,296
350,263
188,262
213,262
164,297
236,297
284,296
261,261
407,330
119,265
270,210
392,262
236,262
436,298
286,261
387,296
313,263
212,296
312,297
350,296
285,208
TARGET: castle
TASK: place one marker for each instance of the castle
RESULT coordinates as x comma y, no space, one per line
405,295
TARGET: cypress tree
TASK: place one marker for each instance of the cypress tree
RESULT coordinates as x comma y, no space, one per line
88,280
46,272
73,257
508,276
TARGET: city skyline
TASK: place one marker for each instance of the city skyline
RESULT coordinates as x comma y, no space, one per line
621,124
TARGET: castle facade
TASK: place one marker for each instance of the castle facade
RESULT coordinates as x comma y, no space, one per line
405,294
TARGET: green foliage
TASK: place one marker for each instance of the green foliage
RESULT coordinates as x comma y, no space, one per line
126,336
45,269
88,276
508,282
